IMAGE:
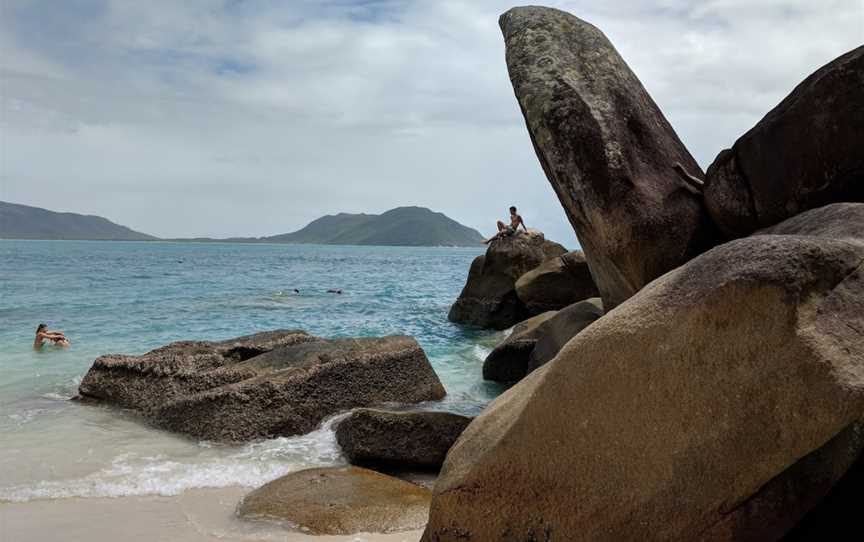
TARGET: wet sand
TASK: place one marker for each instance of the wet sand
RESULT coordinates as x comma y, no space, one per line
203,515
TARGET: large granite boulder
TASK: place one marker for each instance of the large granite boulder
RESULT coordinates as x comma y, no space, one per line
805,153
556,283
334,501
262,386
382,439
607,149
537,340
489,297
719,403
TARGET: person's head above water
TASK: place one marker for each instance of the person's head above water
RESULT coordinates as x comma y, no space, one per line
41,328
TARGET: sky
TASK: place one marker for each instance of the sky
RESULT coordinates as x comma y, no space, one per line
251,118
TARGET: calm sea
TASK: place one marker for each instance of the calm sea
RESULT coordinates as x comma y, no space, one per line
131,297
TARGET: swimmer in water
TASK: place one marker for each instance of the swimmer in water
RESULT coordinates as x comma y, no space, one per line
334,291
43,334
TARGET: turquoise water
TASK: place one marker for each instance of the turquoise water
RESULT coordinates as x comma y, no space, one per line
131,297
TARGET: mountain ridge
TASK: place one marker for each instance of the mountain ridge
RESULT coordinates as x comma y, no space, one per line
401,226
19,221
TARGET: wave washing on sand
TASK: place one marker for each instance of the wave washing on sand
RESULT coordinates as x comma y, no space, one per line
251,466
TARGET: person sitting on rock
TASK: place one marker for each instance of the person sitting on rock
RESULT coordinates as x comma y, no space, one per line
43,333
506,230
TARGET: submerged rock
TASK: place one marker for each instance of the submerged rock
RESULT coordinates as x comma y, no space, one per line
537,340
805,153
556,283
719,403
264,385
399,440
489,296
333,501
607,150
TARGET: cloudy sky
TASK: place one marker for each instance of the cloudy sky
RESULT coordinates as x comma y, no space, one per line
234,117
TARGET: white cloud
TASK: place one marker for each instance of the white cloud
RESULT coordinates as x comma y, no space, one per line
252,118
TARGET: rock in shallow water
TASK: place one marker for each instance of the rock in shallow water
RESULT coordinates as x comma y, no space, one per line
537,340
719,403
181,368
607,150
489,297
337,501
399,440
566,324
805,153
508,361
261,386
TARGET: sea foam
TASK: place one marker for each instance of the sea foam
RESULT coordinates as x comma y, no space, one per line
251,465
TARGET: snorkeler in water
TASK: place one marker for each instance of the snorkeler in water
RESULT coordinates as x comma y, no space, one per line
44,334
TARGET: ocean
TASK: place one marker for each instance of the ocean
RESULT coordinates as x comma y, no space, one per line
130,297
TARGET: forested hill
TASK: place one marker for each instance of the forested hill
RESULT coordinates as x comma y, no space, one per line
403,226
406,226
25,222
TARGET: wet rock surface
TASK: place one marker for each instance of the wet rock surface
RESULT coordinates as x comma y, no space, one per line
410,440
333,501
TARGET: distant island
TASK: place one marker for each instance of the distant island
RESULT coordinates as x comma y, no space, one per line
406,226
403,226
25,222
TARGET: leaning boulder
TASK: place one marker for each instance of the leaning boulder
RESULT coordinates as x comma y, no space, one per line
410,440
489,297
805,153
537,340
607,150
719,403
556,283
247,388
334,501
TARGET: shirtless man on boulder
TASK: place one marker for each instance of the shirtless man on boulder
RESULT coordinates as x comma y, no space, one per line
506,230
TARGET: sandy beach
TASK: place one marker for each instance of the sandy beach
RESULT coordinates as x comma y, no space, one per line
202,515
